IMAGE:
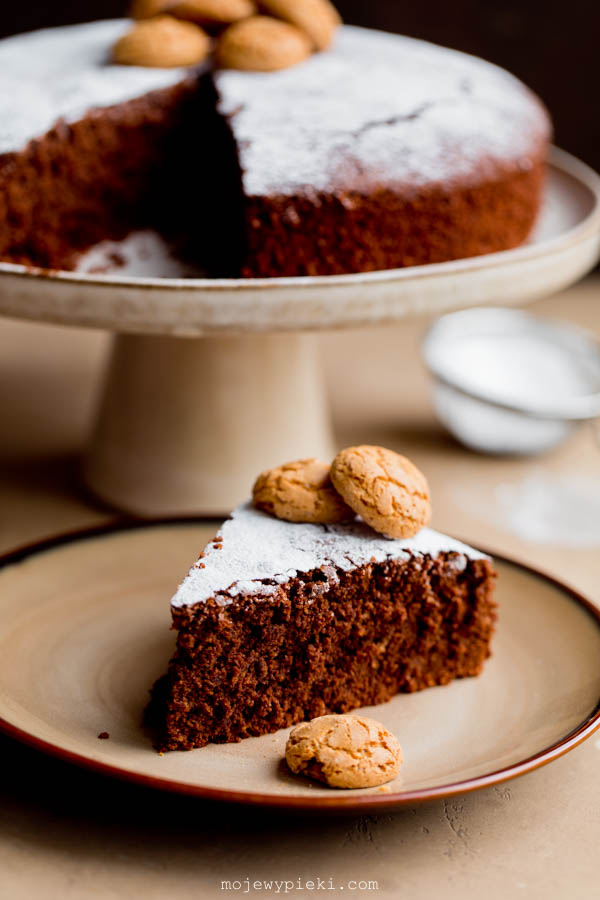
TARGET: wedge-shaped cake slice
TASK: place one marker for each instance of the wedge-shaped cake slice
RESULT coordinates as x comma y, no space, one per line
280,622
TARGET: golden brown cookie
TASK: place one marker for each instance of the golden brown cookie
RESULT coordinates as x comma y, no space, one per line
146,9
261,44
318,19
300,492
213,13
162,42
384,488
344,751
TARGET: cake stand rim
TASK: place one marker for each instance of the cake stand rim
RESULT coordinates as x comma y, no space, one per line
143,305
558,159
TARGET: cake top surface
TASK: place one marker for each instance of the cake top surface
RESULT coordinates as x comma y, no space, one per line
379,108
62,73
258,553
376,108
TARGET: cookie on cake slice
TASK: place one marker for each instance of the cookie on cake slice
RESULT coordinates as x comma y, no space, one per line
282,621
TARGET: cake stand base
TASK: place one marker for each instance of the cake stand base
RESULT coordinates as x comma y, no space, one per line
186,425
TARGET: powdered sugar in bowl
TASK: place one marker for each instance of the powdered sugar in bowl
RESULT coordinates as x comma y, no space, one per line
508,381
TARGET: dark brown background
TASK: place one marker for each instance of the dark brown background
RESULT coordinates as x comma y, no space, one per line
554,46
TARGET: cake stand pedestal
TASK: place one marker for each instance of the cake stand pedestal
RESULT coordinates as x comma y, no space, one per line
186,425
211,381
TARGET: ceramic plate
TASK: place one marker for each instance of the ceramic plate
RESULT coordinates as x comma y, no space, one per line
84,625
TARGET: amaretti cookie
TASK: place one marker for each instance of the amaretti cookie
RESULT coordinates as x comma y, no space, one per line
300,491
344,751
384,488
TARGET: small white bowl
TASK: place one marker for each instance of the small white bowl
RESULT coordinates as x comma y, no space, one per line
507,381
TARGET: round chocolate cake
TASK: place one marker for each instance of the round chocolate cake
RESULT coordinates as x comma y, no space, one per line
379,153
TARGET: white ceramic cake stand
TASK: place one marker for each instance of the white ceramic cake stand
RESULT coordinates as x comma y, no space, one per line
210,381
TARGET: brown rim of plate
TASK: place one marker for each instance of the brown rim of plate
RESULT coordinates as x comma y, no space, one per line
337,802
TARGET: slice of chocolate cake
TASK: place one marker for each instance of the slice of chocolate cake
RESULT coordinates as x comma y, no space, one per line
280,622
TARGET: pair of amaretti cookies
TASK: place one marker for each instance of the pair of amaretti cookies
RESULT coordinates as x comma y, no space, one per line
384,488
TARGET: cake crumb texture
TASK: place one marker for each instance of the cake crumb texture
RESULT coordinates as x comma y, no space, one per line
325,641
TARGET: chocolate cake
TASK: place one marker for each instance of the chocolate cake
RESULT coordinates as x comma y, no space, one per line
381,152
280,622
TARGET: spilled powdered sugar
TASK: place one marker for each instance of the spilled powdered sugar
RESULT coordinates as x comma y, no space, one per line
142,254
258,553
403,111
559,510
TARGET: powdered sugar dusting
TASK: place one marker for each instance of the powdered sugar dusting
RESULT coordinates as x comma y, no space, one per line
142,254
557,510
376,107
381,107
62,73
259,552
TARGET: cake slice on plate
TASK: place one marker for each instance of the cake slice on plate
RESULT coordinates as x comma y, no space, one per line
283,621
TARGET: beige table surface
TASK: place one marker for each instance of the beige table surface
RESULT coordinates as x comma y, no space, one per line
67,834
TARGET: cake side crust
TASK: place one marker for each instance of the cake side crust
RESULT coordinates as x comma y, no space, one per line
384,227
